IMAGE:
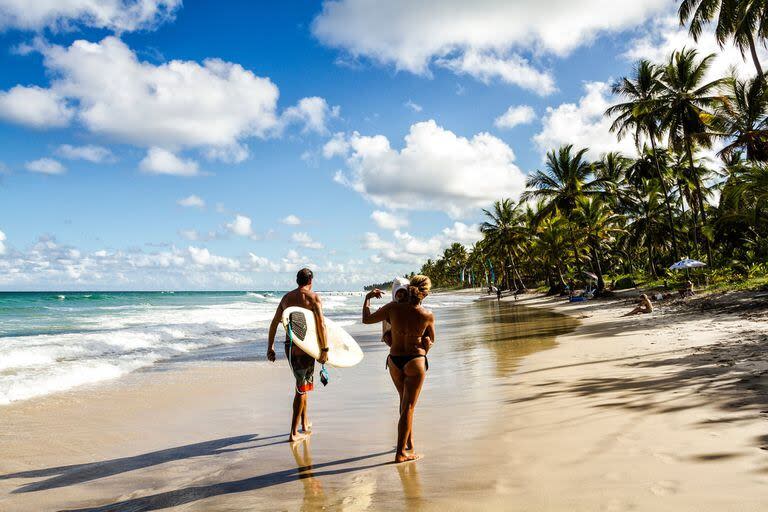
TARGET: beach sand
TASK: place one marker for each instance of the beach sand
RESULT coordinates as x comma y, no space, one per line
660,412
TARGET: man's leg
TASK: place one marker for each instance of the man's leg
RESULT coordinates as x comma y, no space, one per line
299,400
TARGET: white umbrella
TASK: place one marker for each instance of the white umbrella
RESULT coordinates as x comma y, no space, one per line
687,263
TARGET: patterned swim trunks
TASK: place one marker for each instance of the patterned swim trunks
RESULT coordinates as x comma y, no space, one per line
303,367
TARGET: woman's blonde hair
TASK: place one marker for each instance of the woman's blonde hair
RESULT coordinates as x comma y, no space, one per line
419,288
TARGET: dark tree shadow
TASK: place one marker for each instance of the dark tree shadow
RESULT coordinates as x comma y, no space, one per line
731,375
63,476
191,494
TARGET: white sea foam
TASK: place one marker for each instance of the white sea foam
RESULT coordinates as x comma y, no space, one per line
104,341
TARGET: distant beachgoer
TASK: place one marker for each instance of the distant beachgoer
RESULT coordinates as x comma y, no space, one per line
687,290
302,364
399,294
498,294
645,306
413,334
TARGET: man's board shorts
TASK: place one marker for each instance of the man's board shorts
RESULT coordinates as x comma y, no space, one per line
303,367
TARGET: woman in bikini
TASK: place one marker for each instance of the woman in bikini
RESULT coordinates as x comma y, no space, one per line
413,334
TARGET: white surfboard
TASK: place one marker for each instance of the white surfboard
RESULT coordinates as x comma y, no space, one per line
343,350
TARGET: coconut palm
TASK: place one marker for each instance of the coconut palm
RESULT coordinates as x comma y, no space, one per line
503,232
684,108
637,115
567,177
736,20
599,223
742,118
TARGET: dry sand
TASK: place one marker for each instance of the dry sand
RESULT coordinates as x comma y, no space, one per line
660,412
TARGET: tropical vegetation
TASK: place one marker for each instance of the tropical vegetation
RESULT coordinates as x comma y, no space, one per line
619,215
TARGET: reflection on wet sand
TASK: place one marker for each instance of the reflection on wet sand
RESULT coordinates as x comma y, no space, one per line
356,495
314,496
510,332
409,478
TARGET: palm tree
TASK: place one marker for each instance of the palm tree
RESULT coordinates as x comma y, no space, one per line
503,232
737,20
742,118
684,108
599,223
637,115
567,178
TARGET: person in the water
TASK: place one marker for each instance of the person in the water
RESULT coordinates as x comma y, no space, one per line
413,334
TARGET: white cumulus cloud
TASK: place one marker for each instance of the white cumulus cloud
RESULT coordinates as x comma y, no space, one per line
162,161
34,106
202,256
305,240
313,113
436,170
484,38
90,153
45,166
583,124
291,220
117,15
515,115
388,220
192,201
241,226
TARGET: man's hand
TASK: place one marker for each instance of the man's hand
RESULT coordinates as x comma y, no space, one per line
374,293
271,354
323,357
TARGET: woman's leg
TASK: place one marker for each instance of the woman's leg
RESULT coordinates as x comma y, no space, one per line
398,379
415,372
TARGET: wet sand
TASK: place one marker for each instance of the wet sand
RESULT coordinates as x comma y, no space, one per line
644,413
210,436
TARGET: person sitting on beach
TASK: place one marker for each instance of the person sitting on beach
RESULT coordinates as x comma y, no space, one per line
687,290
413,334
302,364
399,294
645,306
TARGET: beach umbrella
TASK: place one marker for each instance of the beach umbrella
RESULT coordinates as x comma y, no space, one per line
687,263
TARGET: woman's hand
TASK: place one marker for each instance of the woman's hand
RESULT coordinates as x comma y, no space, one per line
374,293
271,356
426,343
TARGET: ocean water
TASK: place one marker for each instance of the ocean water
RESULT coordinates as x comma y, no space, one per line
53,341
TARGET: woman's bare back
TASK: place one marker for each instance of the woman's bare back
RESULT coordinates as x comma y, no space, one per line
410,324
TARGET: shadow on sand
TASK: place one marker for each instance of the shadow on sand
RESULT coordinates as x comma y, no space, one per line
63,476
191,494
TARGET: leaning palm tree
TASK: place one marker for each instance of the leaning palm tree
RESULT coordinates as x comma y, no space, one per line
568,176
736,20
636,115
503,231
684,108
742,118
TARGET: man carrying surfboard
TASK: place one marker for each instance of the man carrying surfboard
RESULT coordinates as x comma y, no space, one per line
302,364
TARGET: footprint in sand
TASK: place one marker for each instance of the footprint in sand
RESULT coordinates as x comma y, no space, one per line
664,488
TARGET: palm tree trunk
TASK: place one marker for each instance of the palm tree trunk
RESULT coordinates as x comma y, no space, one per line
598,270
753,51
575,250
670,219
700,200
515,274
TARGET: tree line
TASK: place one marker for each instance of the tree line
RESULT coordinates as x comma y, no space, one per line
637,214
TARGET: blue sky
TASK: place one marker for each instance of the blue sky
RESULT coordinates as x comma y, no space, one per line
209,145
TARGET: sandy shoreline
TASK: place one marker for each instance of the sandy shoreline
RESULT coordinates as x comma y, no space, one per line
650,413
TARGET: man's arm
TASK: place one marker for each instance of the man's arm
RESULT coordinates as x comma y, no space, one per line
273,331
321,332
381,314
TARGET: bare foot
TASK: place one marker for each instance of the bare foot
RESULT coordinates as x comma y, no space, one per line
405,457
298,436
307,429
